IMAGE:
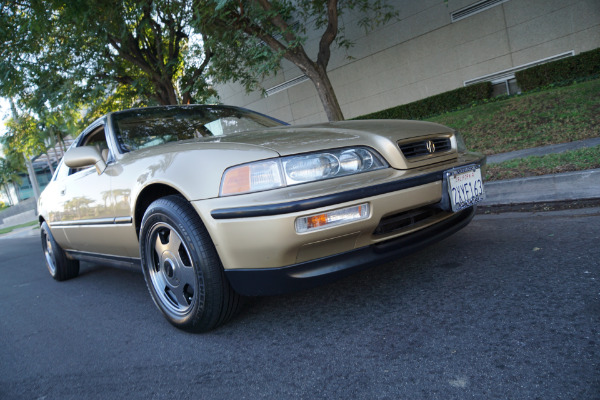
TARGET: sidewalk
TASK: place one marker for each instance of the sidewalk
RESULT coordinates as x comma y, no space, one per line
568,186
541,151
22,232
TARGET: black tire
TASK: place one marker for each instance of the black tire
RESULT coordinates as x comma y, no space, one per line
59,265
182,269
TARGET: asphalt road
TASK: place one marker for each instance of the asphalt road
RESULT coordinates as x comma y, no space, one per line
508,308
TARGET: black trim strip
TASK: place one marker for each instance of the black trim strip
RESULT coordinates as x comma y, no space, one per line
103,258
95,221
328,200
306,275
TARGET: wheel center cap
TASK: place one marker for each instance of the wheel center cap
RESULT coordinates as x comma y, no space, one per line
169,268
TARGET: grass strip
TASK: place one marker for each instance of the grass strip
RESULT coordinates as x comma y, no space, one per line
574,160
556,115
12,228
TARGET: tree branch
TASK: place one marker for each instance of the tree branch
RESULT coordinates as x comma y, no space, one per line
329,35
278,21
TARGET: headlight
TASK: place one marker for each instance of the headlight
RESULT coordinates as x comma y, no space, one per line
293,170
311,167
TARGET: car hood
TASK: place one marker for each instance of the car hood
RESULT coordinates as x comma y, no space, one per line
296,139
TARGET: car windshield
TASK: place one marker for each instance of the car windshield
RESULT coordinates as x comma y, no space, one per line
147,127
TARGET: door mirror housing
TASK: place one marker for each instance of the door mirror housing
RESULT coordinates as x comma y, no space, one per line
85,156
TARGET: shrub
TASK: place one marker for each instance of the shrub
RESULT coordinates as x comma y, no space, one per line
440,103
568,69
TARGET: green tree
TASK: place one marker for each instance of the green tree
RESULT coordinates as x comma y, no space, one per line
10,173
23,136
254,35
92,52
142,44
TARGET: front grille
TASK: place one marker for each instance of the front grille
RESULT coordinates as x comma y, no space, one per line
405,220
425,147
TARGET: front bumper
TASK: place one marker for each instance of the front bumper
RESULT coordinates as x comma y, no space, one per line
256,233
274,281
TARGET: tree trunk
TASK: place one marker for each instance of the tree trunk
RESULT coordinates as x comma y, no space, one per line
33,179
61,146
8,196
165,92
318,75
327,95
49,161
56,155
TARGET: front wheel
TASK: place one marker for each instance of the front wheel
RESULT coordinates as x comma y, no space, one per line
182,269
59,265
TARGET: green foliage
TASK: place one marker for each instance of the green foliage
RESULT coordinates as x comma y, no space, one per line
20,34
23,136
555,115
10,167
249,38
60,57
141,44
438,104
253,36
100,53
59,123
105,54
568,69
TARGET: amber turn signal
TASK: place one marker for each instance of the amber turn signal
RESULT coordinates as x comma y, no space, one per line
332,218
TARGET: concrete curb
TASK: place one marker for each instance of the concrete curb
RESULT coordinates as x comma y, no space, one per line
541,151
579,185
19,219
20,233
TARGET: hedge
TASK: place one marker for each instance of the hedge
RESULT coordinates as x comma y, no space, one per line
437,104
582,65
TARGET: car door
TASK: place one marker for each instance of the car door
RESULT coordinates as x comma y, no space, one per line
87,204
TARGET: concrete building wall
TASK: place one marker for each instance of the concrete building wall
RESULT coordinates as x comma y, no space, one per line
425,53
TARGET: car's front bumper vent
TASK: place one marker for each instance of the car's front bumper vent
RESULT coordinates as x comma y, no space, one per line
425,147
405,220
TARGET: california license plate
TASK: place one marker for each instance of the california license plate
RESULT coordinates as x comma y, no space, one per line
465,187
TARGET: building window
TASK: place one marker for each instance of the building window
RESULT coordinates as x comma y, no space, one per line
504,87
25,183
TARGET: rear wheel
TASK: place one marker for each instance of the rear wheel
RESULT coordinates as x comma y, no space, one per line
59,265
183,272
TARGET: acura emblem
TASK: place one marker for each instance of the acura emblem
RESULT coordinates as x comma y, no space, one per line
430,147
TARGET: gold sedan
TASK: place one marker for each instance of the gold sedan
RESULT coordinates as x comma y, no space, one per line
218,202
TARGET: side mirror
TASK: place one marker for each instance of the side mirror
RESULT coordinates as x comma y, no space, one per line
85,156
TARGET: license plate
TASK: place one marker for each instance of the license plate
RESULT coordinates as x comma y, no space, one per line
465,187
